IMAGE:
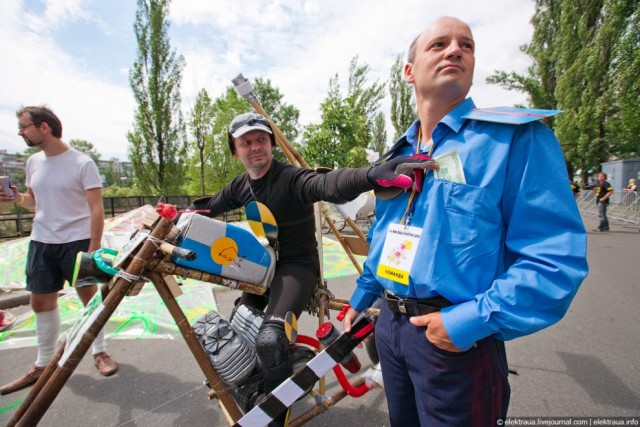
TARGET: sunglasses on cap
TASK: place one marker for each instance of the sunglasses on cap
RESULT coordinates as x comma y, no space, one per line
250,121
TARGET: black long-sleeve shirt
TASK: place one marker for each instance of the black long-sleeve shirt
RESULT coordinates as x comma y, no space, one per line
289,192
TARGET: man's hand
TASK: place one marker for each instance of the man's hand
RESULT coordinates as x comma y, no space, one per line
436,333
348,319
4,195
400,171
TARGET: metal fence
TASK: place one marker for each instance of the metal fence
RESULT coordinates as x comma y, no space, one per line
624,208
16,221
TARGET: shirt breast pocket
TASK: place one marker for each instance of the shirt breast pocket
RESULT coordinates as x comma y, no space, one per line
462,216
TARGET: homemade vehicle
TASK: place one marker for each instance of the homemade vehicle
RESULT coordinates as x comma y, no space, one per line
235,257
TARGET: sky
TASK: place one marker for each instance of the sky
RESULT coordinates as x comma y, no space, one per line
75,55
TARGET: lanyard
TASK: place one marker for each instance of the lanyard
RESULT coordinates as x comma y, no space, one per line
406,218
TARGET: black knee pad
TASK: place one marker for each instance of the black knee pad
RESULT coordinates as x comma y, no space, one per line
272,345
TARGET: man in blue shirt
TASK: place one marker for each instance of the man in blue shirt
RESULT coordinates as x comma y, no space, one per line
491,248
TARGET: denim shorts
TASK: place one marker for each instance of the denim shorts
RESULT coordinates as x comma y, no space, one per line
50,264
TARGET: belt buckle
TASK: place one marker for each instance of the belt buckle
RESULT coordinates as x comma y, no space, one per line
401,305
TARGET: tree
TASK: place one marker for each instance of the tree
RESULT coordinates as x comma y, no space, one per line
541,78
583,51
116,173
363,99
403,106
624,123
157,141
378,141
209,148
201,127
346,121
30,150
285,115
87,148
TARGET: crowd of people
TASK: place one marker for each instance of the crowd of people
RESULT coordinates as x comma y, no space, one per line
456,255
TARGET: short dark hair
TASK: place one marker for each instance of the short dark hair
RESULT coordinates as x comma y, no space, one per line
41,114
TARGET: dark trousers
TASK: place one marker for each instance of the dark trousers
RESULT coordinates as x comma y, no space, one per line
291,289
427,386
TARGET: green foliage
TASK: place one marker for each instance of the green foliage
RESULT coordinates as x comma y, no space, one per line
115,174
346,121
87,148
582,81
201,128
211,164
403,106
378,141
286,116
541,78
157,141
18,178
30,150
357,158
585,62
220,166
624,122
118,191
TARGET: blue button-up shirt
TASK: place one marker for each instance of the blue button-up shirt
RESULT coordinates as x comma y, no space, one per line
508,248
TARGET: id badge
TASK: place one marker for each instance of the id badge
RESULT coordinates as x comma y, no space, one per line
399,253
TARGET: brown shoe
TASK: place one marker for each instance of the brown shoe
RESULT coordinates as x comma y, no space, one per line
24,381
105,363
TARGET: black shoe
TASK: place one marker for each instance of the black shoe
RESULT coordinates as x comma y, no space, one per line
597,229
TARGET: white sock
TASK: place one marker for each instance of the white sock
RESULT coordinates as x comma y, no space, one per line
47,332
99,344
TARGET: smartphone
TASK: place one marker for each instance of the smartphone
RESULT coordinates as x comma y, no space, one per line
5,184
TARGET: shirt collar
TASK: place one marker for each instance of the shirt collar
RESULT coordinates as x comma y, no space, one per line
453,120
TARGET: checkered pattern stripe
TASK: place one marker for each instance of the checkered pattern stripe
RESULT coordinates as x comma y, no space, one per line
294,388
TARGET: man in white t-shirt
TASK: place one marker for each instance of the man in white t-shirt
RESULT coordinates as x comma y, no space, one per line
64,187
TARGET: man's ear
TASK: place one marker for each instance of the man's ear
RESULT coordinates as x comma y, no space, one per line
44,127
235,155
408,73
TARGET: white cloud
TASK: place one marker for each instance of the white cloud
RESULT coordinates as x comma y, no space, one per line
299,45
41,72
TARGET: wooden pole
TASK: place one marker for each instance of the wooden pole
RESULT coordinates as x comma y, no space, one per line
37,408
166,267
229,405
49,370
320,407
344,245
338,303
35,390
356,229
244,89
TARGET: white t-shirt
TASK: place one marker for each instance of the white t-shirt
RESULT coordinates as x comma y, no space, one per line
59,184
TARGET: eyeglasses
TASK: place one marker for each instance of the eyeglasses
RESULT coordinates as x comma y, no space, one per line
247,119
23,127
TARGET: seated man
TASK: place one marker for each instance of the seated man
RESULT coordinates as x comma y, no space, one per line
289,192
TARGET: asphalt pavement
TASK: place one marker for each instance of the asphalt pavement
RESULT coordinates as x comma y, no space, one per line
587,365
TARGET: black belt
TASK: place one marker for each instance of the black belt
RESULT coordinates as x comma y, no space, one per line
414,307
